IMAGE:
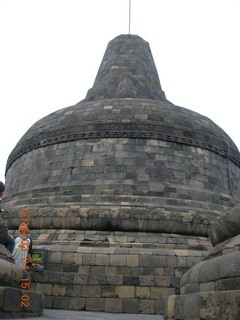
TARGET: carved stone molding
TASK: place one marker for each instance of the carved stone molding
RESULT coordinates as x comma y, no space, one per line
131,130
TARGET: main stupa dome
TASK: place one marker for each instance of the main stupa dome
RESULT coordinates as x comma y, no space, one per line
124,158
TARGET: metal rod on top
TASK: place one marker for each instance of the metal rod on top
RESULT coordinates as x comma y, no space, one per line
129,25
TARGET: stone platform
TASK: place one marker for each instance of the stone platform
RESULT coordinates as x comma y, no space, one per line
49,314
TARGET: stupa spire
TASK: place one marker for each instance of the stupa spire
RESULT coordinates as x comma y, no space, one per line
127,71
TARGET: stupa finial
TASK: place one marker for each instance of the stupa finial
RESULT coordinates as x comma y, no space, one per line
127,71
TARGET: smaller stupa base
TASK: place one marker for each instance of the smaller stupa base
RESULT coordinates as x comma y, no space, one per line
15,303
211,305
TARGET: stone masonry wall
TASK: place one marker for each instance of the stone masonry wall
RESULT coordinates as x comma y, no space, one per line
130,272
124,173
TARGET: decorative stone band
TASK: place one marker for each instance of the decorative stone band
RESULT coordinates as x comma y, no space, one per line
133,130
115,239
114,218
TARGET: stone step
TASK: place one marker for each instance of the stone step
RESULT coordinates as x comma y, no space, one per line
71,278
125,245
100,296
106,304
105,257
15,302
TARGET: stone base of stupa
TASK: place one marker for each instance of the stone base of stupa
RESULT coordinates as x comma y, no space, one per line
210,305
122,272
16,303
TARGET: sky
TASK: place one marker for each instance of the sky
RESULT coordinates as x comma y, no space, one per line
50,52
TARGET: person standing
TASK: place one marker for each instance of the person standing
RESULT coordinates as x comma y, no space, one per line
23,249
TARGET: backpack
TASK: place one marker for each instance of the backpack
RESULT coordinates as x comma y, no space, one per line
3,232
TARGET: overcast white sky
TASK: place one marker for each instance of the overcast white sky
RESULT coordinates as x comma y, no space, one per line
50,52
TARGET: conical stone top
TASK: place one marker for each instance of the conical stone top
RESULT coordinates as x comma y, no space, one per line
127,71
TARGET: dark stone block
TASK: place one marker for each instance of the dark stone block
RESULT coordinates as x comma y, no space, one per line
36,302
121,251
144,261
228,284
95,304
67,278
175,282
10,295
28,302
160,306
97,279
40,276
93,291
148,271
130,306
191,288
70,268
60,302
158,261
54,277
74,291
131,280
48,301
136,271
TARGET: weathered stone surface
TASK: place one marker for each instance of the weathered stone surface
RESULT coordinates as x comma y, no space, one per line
226,247
58,290
126,292
143,292
44,288
226,227
77,303
5,254
10,274
221,267
130,305
60,302
15,302
147,306
95,304
113,305
221,305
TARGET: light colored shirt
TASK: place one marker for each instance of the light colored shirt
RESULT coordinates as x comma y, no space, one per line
21,251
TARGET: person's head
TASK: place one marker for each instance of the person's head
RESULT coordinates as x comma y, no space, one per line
2,188
23,228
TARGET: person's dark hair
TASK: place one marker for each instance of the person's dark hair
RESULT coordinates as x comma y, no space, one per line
2,187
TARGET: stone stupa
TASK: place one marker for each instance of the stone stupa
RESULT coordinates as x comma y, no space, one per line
122,188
